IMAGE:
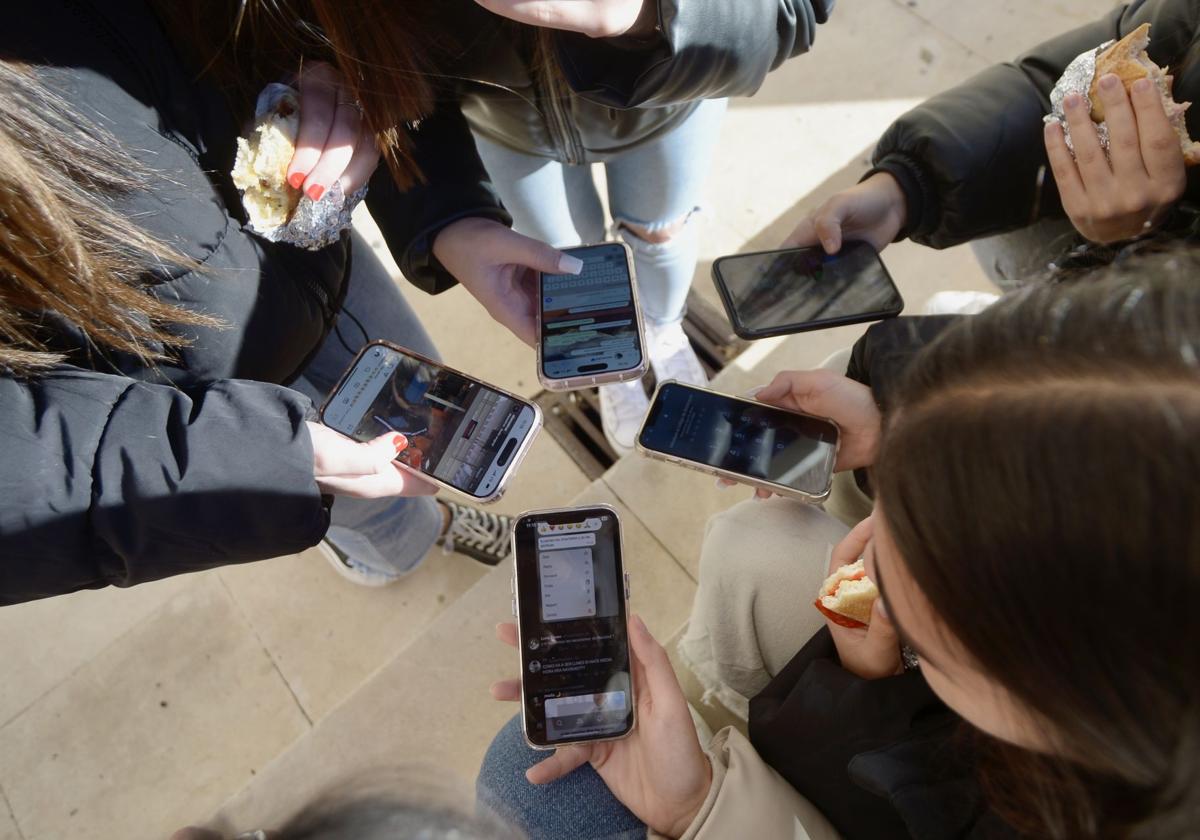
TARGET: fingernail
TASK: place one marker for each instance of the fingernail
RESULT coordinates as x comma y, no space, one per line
827,244
315,192
1142,86
721,485
1072,101
296,180
569,265
400,442
1109,82
883,610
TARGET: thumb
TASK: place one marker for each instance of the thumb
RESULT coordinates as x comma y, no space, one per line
829,228
512,247
338,455
659,676
804,236
881,632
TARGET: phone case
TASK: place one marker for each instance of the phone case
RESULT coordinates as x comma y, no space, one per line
575,383
516,611
758,483
517,457
742,331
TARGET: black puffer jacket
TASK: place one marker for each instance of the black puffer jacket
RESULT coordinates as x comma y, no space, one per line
970,160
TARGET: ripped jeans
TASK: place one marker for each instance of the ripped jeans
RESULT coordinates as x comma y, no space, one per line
653,187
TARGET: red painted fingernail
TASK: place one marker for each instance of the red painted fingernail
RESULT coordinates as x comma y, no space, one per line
296,180
315,192
400,442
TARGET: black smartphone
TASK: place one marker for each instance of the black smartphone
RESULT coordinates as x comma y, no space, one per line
570,598
782,292
744,440
590,324
463,434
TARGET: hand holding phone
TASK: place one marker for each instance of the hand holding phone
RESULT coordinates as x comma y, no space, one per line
659,772
345,467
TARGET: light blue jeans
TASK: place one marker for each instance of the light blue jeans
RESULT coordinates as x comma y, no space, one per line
388,535
652,186
578,806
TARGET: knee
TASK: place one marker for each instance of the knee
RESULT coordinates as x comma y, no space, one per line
659,235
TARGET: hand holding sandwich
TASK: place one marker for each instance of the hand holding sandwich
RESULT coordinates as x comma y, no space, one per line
1130,191
872,651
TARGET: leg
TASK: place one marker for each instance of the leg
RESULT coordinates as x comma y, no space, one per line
760,568
654,191
579,806
548,201
390,536
1011,259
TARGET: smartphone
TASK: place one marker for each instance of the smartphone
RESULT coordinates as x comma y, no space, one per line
750,442
782,292
590,325
463,434
570,598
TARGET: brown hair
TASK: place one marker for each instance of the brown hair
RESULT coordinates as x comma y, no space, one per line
63,250
1041,481
383,49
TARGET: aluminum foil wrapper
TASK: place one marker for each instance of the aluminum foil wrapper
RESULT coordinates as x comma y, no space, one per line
314,224
1077,79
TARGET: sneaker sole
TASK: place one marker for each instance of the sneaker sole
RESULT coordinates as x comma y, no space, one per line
370,581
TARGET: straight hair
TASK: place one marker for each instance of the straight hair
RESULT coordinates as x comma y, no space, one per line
1040,477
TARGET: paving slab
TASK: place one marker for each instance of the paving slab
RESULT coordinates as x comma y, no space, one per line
170,720
1012,27
46,641
431,704
8,826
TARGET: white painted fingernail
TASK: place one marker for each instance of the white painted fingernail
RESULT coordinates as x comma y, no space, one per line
570,265
753,392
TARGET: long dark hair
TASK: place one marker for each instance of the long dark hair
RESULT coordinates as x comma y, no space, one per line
63,249
385,51
1041,481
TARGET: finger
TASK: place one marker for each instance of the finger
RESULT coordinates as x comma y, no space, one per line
391,481
362,165
804,236
336,153
1089,155
318,83
1062,164
1161,153
1124,149
852,545
512,247
520,313
828,223
564,761
659,677
506,631
506,690
881,632
337,455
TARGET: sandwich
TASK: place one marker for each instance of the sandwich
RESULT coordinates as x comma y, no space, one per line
260,169
847,596
1127,59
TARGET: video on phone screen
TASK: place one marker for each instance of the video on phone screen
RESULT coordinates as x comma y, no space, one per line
572,591
458,430
589,325
744,438
798,287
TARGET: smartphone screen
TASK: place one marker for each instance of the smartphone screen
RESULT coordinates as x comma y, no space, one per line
805,288
747,438
459,430
589,323
574,646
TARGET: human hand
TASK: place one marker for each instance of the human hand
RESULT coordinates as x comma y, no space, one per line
594,18
659,772
1131,190
824,393
872,211
871,652
345,467
500,269
334,142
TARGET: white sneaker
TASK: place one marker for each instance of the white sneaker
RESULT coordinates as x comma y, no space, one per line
623,407
351,569
959,303
672,356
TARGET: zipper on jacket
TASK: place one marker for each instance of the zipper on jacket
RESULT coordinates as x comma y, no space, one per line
553,91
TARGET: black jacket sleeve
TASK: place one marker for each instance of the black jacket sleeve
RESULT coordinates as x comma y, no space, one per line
455,187
972,160
108,481
704,49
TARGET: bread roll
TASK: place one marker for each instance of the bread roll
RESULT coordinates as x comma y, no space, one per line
260,169
847,596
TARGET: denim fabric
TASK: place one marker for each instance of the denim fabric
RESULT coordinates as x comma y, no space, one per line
651,186
578,806
388,535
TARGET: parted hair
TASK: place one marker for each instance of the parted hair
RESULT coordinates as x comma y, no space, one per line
64,251
1040,477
